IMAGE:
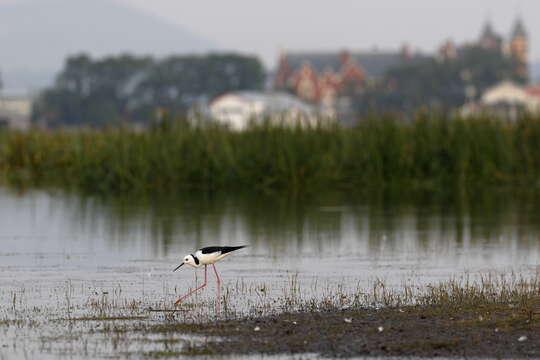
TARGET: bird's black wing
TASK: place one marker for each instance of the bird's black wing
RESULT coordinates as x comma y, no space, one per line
222,249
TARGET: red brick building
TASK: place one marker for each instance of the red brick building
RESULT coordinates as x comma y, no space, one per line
319,77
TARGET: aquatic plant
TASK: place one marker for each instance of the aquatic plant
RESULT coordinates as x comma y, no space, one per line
430,151
80,318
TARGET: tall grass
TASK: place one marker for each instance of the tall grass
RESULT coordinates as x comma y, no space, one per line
429,151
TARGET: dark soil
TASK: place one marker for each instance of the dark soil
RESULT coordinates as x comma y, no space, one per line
495,330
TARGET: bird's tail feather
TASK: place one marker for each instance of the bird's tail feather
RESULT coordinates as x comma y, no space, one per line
228,249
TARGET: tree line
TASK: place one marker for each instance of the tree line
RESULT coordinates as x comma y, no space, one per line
440,83
133,89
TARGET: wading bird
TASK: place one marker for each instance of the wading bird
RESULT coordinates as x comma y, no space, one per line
207,256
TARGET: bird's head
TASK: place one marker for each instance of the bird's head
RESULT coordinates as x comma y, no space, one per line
188,259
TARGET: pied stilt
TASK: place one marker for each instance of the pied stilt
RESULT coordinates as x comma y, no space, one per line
207,256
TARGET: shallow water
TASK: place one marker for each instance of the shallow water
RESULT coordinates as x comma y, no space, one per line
63,251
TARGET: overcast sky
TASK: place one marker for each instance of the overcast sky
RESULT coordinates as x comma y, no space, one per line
265,27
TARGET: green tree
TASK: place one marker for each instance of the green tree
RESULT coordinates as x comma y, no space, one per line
439,83
126,88
179,81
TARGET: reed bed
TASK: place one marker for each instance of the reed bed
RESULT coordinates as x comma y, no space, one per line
82,302
430,151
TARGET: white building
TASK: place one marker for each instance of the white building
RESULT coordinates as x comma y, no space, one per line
15,112
509,93
238,109
506,99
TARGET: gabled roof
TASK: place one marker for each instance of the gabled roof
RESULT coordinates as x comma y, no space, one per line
488,32
374,63
519,29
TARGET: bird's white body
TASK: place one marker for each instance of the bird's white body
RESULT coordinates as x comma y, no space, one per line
207,259
207,256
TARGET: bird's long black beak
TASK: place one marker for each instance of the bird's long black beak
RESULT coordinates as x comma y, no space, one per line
178,267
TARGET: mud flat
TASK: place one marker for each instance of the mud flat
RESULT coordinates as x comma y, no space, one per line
500,331
488,316
493,317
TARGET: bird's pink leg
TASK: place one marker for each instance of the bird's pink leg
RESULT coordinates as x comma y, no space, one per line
192,291
218,302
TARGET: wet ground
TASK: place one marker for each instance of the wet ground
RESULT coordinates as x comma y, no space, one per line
72,265
493,331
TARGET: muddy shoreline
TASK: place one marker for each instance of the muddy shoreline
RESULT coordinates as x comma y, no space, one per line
495,330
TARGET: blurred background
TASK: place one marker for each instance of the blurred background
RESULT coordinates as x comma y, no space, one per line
80,63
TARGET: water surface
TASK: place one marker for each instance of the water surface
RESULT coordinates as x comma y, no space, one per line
322,236
62,247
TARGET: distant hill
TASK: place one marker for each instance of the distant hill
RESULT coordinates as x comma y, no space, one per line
37,35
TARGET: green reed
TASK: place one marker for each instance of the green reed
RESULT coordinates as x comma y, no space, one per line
429,151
